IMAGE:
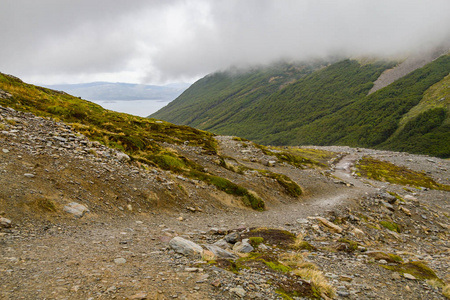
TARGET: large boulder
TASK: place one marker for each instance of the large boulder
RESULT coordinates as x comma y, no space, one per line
185,247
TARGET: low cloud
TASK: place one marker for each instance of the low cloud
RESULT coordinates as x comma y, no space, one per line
52,41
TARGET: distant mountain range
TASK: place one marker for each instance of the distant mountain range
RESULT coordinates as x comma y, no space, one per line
326,103
122,91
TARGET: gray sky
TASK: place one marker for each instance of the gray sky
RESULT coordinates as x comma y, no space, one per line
160,41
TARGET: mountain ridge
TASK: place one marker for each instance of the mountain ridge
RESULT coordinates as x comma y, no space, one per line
307,111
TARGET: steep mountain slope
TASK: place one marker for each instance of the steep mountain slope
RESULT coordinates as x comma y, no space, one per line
219,96
329,106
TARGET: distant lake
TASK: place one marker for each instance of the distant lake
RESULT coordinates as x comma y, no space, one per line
141,108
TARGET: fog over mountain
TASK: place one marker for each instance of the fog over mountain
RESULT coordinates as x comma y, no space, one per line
154,42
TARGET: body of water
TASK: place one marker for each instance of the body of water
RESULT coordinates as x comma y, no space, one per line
141,108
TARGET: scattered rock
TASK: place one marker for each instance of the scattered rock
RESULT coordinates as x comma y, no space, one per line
185,247
76,209
120,261
232,238
238,291
243,246
5,223
220,253
409,276
330,225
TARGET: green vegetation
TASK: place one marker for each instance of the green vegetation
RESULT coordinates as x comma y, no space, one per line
391,226
389,257
255,241
324,106
143,139
416,268
385,171
351,245
291,188
295,156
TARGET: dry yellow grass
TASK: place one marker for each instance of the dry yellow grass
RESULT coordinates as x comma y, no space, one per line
317,280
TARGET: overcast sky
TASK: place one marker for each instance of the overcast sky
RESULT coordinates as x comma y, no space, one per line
161,41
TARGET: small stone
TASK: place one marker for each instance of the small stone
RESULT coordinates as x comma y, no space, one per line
180,219
76,209
409,276
382,261
232,238
243,247
330,225
238,291
222,244
343,293
120,261
396,276
4,222
138,296
191,269
302,221
29,175
216,283
345,278
5,150
220,253
202,278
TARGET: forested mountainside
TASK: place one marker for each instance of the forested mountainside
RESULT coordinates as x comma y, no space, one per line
326,104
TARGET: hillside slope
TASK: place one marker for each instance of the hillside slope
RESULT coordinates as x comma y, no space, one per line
82,220
329,106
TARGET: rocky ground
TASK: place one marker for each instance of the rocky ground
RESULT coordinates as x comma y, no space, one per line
365,237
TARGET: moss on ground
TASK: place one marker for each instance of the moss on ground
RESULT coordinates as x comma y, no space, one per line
388,172
416,268
391,226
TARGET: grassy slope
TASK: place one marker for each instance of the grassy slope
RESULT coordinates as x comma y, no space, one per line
328,106
218,97
141,138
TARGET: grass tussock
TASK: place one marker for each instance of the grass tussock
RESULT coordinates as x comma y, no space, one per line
318,281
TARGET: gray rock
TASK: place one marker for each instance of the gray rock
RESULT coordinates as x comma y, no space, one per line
409,276
5,150
220,253
222,244
4,222
76,209
243,247
185,247
343,293
232,238
122,157
238,291
120,261
29,175
388,205
302,221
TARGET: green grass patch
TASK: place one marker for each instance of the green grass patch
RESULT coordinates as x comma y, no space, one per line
255,241
416,268
387,172
391,226
291,188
